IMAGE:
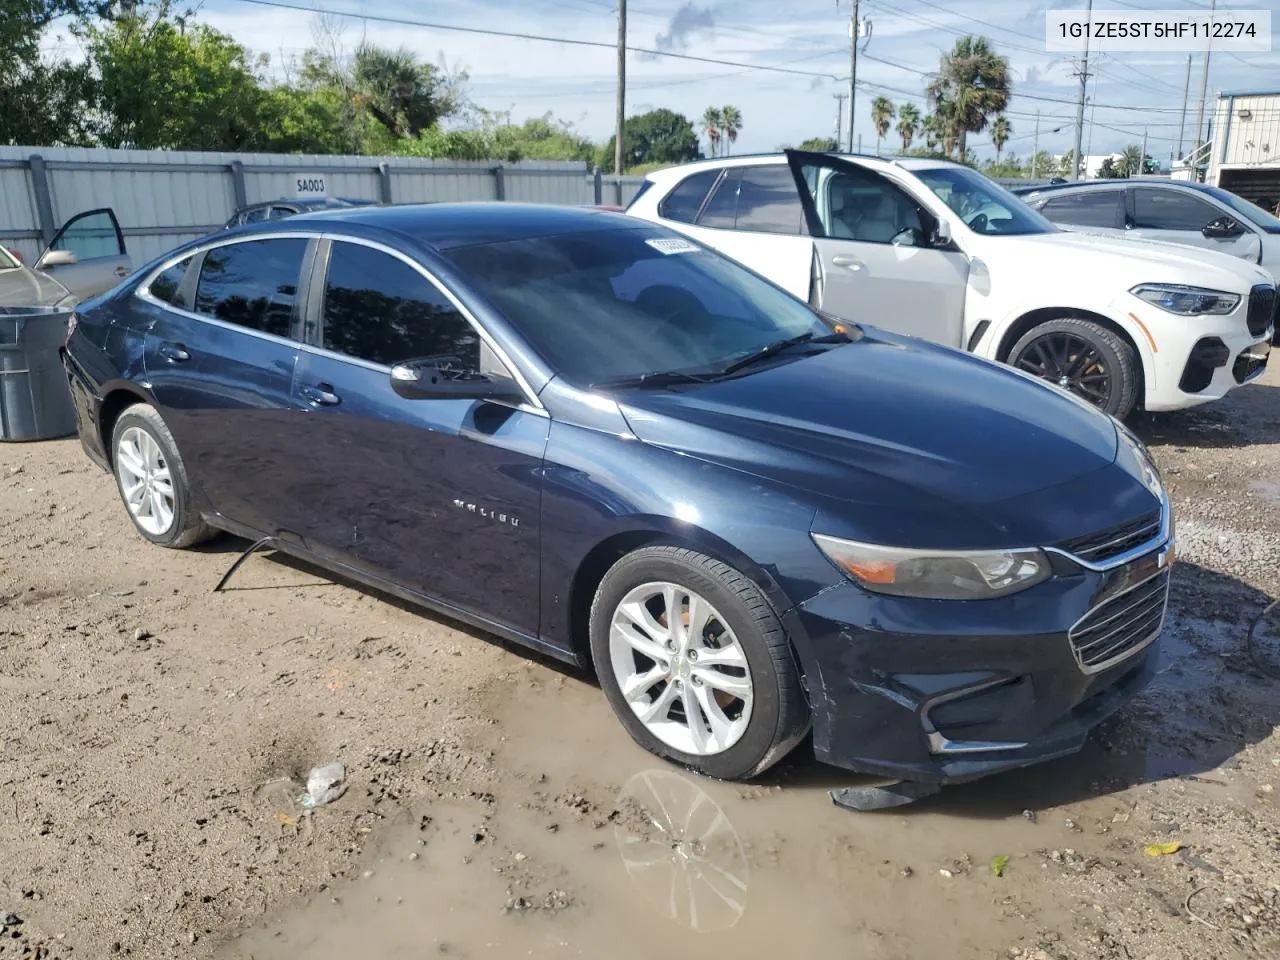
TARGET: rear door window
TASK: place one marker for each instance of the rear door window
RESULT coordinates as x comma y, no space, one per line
253,284
768,201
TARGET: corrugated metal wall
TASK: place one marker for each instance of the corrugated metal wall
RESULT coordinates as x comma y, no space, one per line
163,199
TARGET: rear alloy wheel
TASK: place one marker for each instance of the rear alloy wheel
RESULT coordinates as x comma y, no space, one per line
695,663
153,481
1086,358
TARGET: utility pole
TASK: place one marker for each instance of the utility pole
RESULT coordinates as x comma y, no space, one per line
1035,147
853,71
840,98
1142,161
621,118
1186,92
1204,86
1084,84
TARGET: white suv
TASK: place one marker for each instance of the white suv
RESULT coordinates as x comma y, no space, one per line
937,250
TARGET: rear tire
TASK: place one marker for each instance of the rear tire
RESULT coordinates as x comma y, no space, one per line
1096,364
730,665
152,480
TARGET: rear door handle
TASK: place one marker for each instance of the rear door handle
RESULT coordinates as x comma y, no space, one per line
174,352
121,271
845,260
321,395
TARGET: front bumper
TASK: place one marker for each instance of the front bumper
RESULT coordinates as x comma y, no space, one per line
945,691
1199,359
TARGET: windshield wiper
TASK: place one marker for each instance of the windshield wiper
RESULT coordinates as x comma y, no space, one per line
773,349
655,378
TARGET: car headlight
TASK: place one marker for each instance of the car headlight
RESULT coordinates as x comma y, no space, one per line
936,574
1187,301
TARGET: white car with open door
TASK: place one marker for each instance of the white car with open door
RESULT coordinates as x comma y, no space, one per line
936,250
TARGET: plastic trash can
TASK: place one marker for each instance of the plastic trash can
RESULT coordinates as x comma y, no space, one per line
35,400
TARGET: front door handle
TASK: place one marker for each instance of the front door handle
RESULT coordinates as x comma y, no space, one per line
321,395
174,352
121,271
845,260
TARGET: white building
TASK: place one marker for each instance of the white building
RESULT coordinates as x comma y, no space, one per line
1244,145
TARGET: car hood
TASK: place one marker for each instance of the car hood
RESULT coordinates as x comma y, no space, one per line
23,287
1151,261
889,423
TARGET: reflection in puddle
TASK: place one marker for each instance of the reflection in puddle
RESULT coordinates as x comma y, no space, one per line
681,851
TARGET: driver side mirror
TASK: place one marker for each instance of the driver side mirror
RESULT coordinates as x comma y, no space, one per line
57,258
1222,228
941,234
445,378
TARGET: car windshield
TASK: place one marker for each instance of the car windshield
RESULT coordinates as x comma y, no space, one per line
1250,211
984,205
624,303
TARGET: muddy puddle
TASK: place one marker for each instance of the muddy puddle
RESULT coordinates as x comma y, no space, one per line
583,845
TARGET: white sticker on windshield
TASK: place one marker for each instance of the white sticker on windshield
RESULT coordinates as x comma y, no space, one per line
670,245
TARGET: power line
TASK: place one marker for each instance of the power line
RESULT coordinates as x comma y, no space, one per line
542,38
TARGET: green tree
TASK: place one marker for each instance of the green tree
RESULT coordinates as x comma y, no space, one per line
164,85
976,82
908,124
1000,131
881,117
730,125
819,145
43,102
1041,165
1008,168
1066,163
1130,161
712,127
657,137
1107,170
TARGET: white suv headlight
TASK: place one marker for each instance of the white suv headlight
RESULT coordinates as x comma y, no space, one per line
1187,301
936,574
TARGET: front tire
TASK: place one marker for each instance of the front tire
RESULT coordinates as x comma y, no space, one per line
1084,357
152,480
720,692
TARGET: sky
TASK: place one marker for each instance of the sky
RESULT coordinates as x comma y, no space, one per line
1134,92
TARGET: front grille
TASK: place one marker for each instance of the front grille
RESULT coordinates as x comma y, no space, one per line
1262,309
1122,625
1105,544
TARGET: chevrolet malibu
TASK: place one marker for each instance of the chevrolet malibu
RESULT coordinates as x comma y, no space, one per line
588,434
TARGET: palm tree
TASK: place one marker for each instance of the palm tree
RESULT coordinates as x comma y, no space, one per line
944,123
908,124
712,124
976,81
1130,162
931,127
1000,131
881,117
730,125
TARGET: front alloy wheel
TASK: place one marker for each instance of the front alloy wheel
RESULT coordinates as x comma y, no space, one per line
695,662
680,668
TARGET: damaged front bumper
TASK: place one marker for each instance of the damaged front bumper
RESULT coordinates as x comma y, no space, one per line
944,692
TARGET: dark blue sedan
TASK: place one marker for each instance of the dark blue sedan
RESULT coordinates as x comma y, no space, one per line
588,434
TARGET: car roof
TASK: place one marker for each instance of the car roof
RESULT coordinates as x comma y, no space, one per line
759,159
448,225
1114,183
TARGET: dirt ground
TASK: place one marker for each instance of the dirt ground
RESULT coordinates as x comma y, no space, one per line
154,737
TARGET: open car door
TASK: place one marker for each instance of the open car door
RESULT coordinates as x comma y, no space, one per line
879,255
88,255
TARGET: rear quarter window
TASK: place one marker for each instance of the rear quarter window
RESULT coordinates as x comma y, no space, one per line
683,203
167,285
